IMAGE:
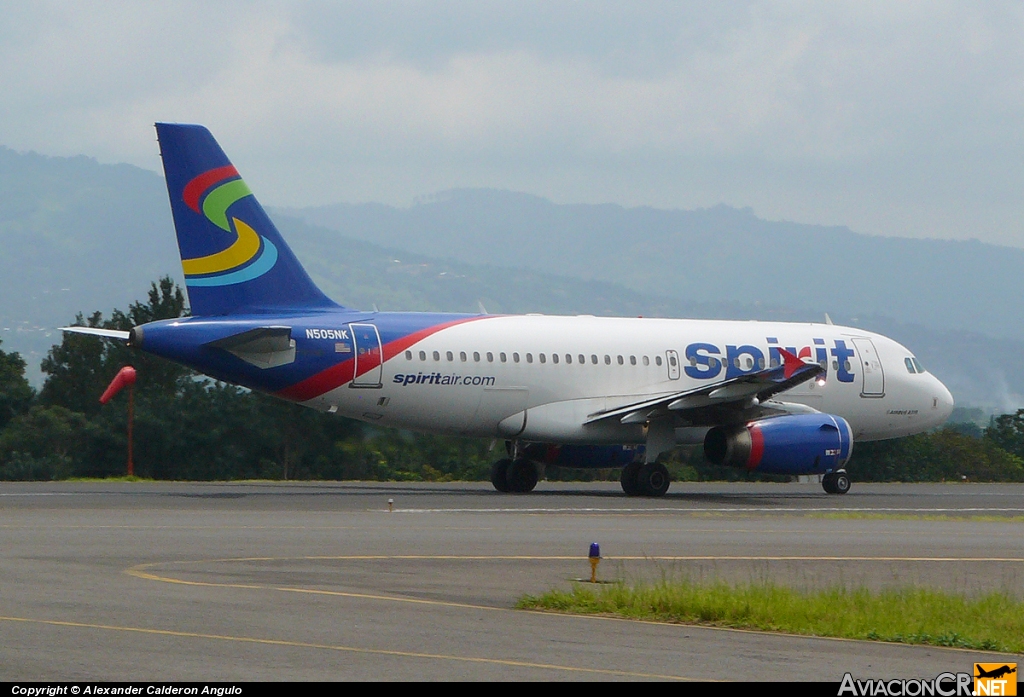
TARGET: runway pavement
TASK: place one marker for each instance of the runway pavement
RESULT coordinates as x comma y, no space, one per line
268,581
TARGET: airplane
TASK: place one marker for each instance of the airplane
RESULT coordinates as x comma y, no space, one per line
995,672
572,391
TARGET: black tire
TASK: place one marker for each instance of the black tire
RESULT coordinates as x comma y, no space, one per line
522,476
828,483
652,479
499,475
628,479
841,484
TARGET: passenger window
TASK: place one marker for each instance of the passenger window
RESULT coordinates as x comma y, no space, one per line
554,358
910,365
672,361
476,356
408,355
760,362
607,359
449,356
619,359
583,359
846,364
593,358
515,357
423,355
490,357
462,356
647,361
835,365
657,361
437,356
568,358
501,356
543,359
529,358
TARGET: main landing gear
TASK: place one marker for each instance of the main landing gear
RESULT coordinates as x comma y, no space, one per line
639,479
518,476
837,482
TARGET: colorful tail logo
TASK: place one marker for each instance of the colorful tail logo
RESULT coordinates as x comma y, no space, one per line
250,256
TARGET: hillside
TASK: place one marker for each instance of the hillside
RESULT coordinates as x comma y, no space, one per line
79,236
716,254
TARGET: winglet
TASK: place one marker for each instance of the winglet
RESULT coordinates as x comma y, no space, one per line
791,365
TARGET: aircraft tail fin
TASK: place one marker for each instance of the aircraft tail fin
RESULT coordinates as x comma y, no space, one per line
235,261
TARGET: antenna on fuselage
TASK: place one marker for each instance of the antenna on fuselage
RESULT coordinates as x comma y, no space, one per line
828,320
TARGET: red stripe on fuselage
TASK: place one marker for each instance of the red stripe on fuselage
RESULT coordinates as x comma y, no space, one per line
756,447
195,188
338,375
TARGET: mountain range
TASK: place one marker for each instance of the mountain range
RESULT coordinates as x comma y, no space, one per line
79,236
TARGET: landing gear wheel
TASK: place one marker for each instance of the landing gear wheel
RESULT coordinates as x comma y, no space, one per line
628,479
521,476
828,483
499,475
836,482
652,479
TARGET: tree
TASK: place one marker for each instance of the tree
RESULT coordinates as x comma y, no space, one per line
43,443
1007,432
80,367
15,393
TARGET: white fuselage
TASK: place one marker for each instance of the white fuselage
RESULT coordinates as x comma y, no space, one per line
538,378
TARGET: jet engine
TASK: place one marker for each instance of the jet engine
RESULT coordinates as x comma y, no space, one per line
796,444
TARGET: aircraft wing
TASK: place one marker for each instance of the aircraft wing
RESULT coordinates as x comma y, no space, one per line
707,403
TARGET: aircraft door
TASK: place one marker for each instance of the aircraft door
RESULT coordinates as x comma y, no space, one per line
672,358
874,377
368,368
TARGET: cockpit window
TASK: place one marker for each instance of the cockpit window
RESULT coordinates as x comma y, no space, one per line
910,365
917,364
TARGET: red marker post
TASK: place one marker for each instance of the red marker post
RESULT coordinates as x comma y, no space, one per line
124,378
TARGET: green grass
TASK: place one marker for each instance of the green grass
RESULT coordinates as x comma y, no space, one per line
992,622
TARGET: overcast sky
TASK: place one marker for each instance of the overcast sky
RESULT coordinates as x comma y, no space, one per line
895,118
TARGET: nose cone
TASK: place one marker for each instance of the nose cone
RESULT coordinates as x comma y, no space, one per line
942,402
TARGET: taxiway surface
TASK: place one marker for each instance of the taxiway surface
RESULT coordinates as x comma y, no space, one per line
264,581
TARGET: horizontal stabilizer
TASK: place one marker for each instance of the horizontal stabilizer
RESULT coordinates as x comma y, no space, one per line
263,347
116,334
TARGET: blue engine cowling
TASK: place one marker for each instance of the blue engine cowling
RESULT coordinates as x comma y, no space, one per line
798,444
583,456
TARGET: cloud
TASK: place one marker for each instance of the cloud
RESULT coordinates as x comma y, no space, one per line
895,118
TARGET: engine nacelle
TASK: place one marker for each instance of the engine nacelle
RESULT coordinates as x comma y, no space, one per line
583,456
796,444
